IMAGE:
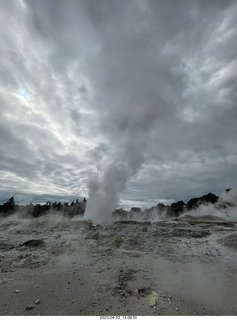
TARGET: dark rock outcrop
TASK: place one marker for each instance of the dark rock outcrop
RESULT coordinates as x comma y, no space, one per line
195,202
175,209
33,243
161,207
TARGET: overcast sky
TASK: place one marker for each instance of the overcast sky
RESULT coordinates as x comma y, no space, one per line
130,99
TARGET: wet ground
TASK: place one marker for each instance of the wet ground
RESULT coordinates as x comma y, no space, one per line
57,266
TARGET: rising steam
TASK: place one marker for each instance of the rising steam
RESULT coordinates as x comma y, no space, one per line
104,194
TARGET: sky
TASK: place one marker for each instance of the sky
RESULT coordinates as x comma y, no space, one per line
127,103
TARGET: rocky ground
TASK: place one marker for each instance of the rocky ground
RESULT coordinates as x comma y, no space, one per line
59,266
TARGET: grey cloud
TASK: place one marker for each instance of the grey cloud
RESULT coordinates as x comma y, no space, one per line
140,88
117,88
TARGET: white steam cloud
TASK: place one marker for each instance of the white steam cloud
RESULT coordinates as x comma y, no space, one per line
140,89
104,193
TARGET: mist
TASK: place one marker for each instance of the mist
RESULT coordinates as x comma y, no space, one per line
118,104
159,260
225,207
144,87
147,98
105,189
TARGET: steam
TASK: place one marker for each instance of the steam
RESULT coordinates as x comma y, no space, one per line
225,207
131,122
129,139
137,77
104,191
228,197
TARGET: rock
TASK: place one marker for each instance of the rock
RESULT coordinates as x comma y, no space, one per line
142,292
161,206
94,235
33,243
37,301
17,291
210,197
29,307
153,299
207,198
229,241
175,209
117,241
6,246
186,232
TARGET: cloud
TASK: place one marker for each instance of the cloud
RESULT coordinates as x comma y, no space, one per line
130,101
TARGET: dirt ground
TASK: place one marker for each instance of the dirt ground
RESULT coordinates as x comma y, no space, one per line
58,266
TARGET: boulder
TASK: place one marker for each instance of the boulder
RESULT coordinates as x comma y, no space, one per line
94,235
33,243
